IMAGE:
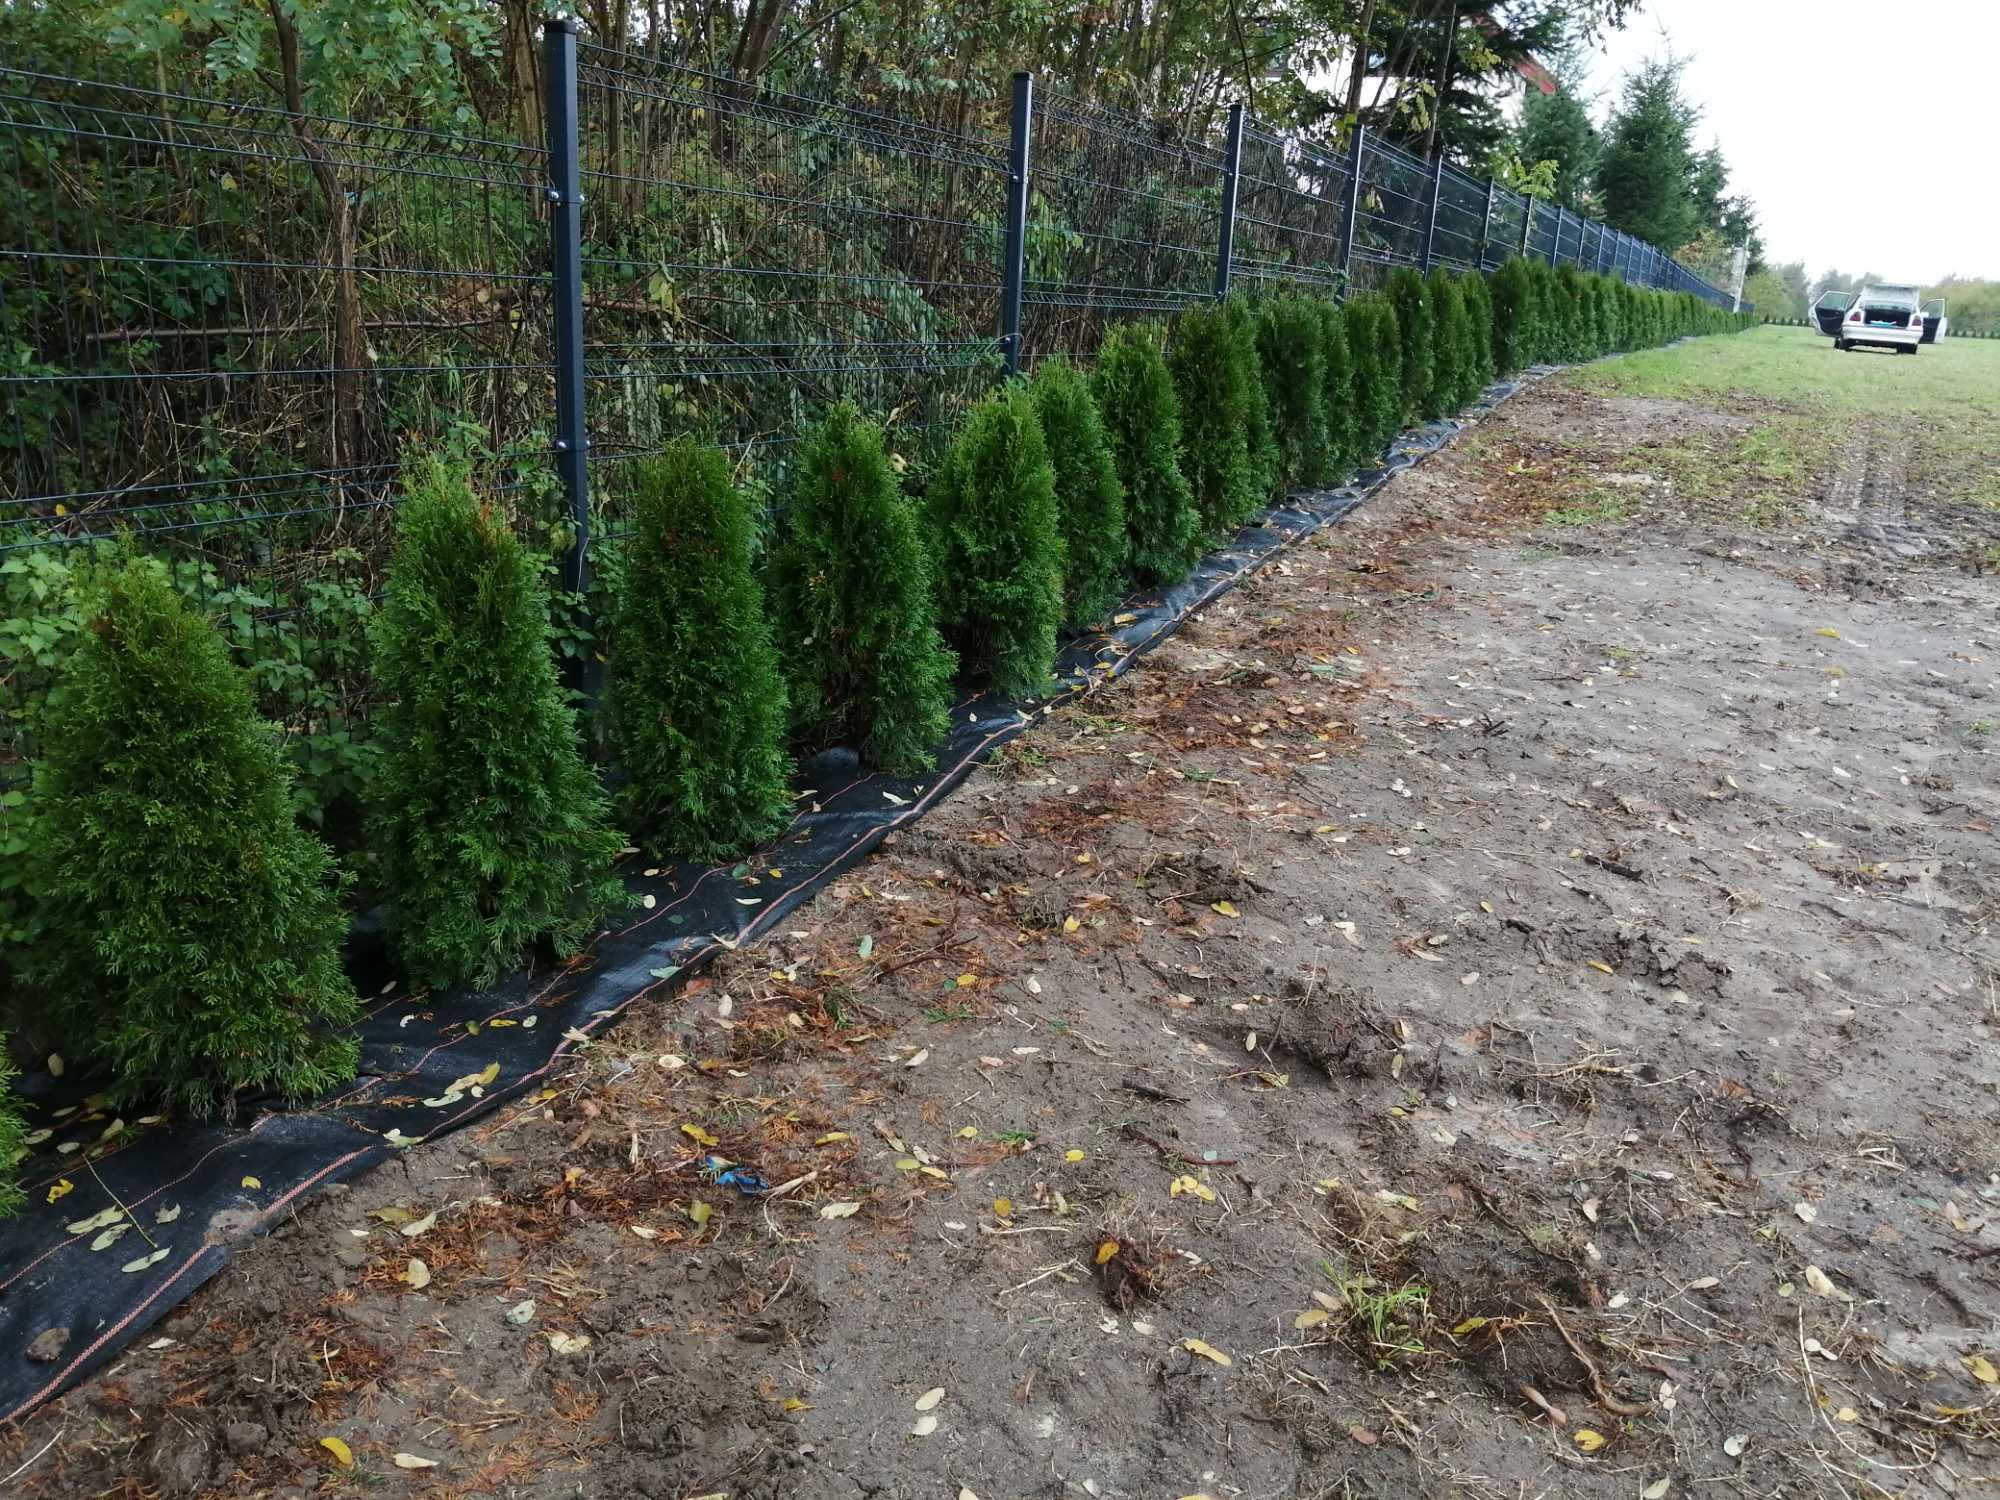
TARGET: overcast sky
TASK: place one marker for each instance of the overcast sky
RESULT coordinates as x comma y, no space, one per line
1867,133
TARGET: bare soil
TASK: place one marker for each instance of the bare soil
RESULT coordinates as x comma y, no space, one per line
1494,1008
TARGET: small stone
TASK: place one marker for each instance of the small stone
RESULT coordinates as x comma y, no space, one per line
48,1345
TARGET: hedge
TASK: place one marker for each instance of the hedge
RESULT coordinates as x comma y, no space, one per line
1141,411
1089,498
1215,367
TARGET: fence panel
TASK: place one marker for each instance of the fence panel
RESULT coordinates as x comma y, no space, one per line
1290,209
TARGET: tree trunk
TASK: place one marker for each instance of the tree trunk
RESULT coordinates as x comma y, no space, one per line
1360,69
349,339
1444,74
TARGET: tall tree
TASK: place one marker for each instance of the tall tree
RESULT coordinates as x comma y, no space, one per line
1557,128
1645,176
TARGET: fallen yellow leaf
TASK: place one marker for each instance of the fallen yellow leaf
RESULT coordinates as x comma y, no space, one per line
1070,924
831,1137
1207,1351
1981,1369
61,1190
342,1454
252,1182
1226,908
698,1135
1002,1207
1588,1440
699,1212
1312,1317
1603,968
1106,1250
1073,1154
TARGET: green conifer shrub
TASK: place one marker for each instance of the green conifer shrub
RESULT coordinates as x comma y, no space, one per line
13,1138
1291,350
1260,438
1342,447
1089,498
1516,339
696,696
1451,346
1375,337
1218,382
999,542
1478,293
855,600
1135,396
191,930
1611,311
491,829
1410,295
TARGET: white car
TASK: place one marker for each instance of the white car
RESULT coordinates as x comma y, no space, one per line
1885,316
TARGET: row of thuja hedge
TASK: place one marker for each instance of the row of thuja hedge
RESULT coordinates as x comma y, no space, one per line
187,931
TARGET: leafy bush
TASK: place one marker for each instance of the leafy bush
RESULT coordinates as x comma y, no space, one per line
999,540
1516,337
1479,315
1089,498
1375,339
1136,398
191,931
490,828
1410,295
1215,372
696,697
1338,401
1452,375
13,1138
1291,355
853,594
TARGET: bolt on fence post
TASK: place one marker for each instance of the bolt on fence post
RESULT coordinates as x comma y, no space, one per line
1486,224
1354,150
1232,166
1013,270
1431,218
565,199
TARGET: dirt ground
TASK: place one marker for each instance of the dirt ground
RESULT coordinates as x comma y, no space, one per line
1506,1005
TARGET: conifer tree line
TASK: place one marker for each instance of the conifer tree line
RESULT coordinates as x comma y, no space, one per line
188,929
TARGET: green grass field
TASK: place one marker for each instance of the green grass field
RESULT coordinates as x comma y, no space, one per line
1809,404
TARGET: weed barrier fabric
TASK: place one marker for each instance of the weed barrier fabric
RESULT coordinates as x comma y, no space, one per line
434,1063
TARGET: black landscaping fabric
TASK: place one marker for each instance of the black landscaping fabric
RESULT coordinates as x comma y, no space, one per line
433,1063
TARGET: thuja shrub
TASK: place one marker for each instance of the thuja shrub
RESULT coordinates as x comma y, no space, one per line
1549,330
1215,373
1291,349
1410,295
696,696
1260,438
1451,346
1089,499
1337,399
492,832
1479,313
1574,313
1375,337
855,601
1611,327
13,1139
190,930
1515,336
1141,410
999,542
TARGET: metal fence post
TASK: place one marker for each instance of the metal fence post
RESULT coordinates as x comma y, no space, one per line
1431,218
1486,224
1232,166
1527,222
1353,206
565,198
1014,269
1556,243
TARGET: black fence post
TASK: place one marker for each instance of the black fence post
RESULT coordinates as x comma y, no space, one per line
1527,222
1556,240
1486,224
1232,166
1354,150
1431,217
565,198
1014,270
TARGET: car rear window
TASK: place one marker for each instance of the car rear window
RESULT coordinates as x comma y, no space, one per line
1890,296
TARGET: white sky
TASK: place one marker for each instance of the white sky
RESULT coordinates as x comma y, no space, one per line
1885,162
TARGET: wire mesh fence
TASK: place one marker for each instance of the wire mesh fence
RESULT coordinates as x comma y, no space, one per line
224,328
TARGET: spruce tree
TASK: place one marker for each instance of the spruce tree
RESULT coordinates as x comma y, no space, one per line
1218,381
1135,396
1089,497
855,600
696,697
999,541
1291,349
1342,447
492,830
1416,323
191,931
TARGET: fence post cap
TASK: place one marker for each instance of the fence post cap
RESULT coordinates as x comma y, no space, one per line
562,23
